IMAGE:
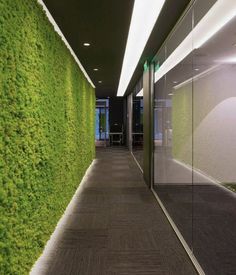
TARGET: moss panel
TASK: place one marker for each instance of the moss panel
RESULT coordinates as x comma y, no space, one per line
182,125
46,132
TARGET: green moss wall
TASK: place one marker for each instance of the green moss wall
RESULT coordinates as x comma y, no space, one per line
46,132
182,125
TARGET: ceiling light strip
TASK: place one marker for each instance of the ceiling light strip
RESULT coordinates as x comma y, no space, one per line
216,18
198,76
144,17
57,29
140,93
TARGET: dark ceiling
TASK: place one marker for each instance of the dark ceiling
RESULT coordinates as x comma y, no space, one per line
105,25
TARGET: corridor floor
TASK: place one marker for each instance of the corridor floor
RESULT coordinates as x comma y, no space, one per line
116,226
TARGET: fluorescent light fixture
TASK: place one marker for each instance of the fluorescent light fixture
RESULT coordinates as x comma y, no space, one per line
95,69
230,60
144,17
184,49
140,94
57,29
170,94
216,18
100,81
86,44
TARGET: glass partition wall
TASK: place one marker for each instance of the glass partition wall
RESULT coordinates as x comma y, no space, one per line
102,122
137,123
195,135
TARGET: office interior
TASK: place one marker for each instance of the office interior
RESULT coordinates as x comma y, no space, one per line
162,130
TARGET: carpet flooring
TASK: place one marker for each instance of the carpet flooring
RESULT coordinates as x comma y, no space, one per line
116,226
205,215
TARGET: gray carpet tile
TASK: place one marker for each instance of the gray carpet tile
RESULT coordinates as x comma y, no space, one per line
205,215
116,226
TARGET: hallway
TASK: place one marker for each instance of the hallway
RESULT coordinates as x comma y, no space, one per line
116,226
76,75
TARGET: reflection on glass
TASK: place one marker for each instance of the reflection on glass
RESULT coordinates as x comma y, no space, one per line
173,144
137,128
195,144
215,151
102,120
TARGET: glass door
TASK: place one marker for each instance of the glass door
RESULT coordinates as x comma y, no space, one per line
102,122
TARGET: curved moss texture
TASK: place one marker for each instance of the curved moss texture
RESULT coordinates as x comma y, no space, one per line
46,132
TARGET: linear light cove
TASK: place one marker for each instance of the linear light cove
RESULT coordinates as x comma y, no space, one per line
140,93
216,18
144,17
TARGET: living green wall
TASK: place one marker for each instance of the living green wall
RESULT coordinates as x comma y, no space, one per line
46,132
182,125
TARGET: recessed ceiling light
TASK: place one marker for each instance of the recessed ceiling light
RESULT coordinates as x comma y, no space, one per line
86,44
197,69
175,82
100,81
170,94
95,69
57,30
